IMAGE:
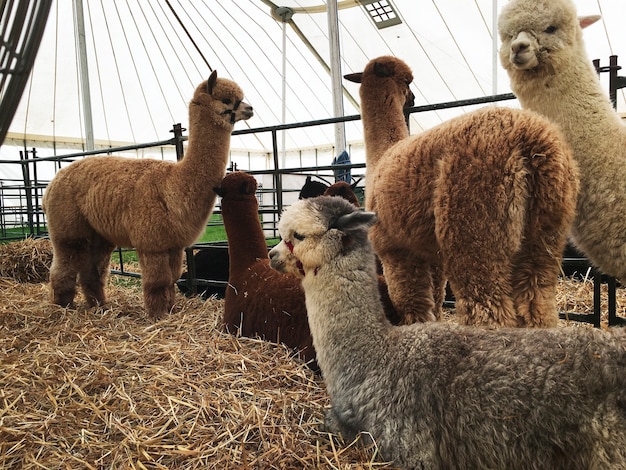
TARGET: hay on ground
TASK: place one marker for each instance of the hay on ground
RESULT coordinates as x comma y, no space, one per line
109,388
28,260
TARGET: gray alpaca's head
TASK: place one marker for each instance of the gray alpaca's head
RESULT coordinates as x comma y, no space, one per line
223,98
317,231
540,35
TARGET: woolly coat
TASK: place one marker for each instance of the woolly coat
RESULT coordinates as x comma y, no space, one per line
155,206
442,396
559,82
487,197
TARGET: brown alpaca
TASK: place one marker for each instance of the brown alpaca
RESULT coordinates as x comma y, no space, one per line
260,301
484,200
155,206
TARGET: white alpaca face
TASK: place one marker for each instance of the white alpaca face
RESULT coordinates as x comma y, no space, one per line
301,229
533,33
318,231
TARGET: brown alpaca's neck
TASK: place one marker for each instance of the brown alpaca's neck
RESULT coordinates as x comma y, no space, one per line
246,242
383,125
204,164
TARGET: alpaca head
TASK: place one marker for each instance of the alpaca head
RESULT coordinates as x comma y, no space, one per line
312,188
317,231
344,190
223,98
540,36
237,185
386,74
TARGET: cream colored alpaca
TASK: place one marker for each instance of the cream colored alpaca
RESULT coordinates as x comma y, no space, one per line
544,54
155,206
486,198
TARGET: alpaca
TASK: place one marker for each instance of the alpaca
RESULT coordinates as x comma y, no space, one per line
312,188
486,200
155,206
259,301
442,396
544,55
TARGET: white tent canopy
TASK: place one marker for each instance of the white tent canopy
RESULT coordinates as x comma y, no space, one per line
143,65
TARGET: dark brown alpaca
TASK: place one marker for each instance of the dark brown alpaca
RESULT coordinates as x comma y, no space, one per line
260,301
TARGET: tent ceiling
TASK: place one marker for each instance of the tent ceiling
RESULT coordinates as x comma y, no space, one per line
143,67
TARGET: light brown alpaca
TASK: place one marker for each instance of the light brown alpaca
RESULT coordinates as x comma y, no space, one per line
486,199
155,206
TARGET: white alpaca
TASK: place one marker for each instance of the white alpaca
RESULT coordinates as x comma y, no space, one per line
442,396
155,206
544,54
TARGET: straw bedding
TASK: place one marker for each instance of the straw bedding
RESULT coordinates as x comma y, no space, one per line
108,388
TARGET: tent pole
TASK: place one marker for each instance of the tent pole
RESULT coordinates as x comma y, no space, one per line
335,74
494,48
79,20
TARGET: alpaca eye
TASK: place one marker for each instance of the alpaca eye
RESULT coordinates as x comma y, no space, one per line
550,29
227,101
298,237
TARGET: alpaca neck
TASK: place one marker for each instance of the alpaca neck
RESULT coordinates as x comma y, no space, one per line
346,317
204,164
573,98
246,241
384,124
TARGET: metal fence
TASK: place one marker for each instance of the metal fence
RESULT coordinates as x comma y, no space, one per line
21,214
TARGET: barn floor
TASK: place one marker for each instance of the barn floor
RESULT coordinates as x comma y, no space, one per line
108,388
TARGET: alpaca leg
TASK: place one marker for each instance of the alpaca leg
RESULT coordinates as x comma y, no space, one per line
176,269
156,281
535,278
481,283
410,287
93,273
439,290
66,261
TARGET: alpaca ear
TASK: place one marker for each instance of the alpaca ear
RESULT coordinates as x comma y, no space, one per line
354,221
354,77
219,191
211,82
585,21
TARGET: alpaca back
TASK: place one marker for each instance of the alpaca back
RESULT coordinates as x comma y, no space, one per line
462,159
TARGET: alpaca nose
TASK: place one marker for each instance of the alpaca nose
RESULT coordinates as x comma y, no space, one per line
246,110
521,43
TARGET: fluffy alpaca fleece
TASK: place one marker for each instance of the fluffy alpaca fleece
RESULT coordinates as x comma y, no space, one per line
155,206
544,54
259,301
441,396
486,199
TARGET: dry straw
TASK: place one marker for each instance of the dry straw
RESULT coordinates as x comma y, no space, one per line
26,261
107,388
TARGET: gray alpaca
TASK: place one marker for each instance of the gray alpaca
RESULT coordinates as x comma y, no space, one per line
442,396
